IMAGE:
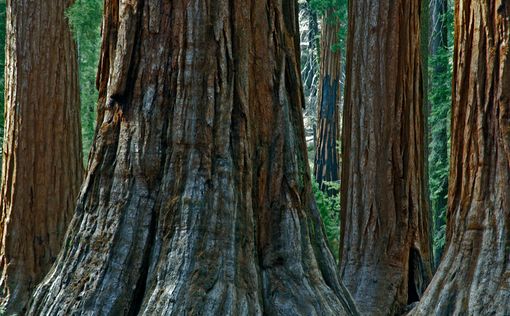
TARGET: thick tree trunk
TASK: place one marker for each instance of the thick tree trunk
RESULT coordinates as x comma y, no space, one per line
474,275
385,249
439,133
327,157
198,198
42,161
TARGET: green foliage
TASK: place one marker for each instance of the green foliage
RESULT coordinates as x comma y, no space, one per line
340,10
329,208
85,19
440,92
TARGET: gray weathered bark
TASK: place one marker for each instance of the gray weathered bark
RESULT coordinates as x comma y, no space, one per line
198,198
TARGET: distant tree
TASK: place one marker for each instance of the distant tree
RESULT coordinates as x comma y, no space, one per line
198,196
327,157
385,255
474,275
42,161
310,50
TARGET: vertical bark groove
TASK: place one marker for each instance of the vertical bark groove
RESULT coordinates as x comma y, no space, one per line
385,248
474,275
215,108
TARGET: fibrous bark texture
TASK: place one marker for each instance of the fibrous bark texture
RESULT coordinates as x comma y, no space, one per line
385,249
198,198
474,275
42,160
327,156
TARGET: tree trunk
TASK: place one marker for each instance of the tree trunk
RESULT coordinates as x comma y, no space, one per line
198,198
42,161
474,275
385,249
438,29
327,157
439,132
309,29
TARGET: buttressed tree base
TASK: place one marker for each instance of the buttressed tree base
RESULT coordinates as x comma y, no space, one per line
198,198
386,256
474,275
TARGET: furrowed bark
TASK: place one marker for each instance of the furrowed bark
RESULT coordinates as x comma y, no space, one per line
327,156
198,196
42,159
474,275
385,255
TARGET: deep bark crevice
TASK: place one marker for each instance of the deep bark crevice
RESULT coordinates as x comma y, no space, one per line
141,284
214,107
415,284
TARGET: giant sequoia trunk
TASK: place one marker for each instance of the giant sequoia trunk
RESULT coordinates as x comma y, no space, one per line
42,161
385,250
474,275
327,157
198,198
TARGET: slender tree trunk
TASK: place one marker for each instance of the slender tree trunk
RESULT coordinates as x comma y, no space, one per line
385,249
42,161
310,72
327,157
474,275
439,132
198,198
438,29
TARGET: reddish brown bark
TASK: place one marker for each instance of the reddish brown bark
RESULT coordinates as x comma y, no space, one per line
327,156
385,249
42,160
198,198
474,275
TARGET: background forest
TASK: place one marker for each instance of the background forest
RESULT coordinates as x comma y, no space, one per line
85,18
439,48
